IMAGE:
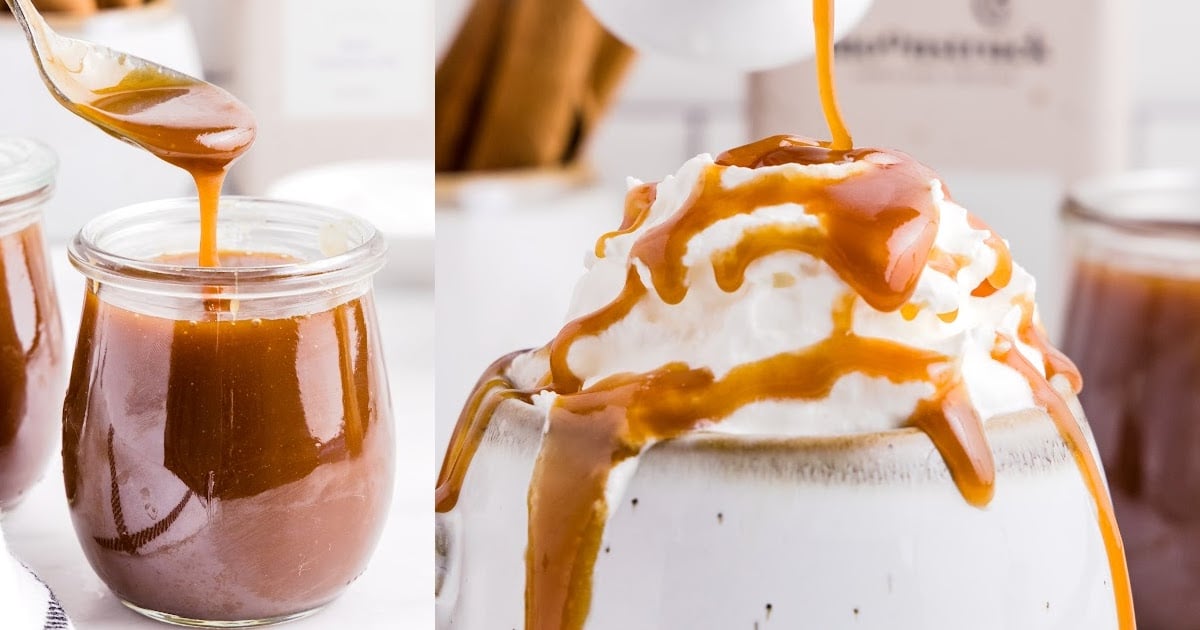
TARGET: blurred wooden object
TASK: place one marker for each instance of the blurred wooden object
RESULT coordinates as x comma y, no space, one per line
462,79
82,7
609,68
74,7
523,85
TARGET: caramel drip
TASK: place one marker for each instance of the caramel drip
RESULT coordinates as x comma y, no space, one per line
1055,363
1002,274
956,430
730,265
823,28
564,380
492,388
1069,429
188,123
637,208
592,430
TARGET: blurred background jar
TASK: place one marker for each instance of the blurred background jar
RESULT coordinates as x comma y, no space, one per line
31,343
1133,327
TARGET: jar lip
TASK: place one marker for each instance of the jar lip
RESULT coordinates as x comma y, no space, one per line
358,261
1136,201
27,169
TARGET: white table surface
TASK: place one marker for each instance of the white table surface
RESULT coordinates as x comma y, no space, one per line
396,591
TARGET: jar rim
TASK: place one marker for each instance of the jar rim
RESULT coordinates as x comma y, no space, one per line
1147,202
360,260
27,168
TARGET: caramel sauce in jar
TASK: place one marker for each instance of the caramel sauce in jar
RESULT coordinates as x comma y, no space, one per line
32,366
229,459
32,370
1133,327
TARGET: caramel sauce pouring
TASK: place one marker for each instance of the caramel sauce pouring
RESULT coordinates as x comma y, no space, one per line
186,122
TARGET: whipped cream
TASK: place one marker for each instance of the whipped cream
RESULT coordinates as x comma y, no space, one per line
786,305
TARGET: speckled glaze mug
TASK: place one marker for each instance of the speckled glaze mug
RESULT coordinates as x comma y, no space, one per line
866,532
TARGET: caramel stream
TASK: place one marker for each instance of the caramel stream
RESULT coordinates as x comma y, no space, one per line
877,230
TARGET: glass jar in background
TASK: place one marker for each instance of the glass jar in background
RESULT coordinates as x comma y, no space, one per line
31,351
1133,327
228,439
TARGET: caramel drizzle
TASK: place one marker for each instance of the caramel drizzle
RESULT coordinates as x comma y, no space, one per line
492,388
1002,274
1054,362
1005,351
876,227
637,208
592,430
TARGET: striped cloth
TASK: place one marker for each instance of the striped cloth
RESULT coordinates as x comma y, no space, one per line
26,603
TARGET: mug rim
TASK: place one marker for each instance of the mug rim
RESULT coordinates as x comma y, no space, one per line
1025,441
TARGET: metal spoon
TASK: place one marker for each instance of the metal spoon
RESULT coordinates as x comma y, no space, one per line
136,100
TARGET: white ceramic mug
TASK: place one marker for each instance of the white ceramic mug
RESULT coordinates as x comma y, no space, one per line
864,532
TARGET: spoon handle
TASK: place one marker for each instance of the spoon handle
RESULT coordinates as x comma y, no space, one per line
41,40
35,27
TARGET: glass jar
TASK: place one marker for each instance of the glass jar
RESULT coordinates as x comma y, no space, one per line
228,440
1133,327
31,350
